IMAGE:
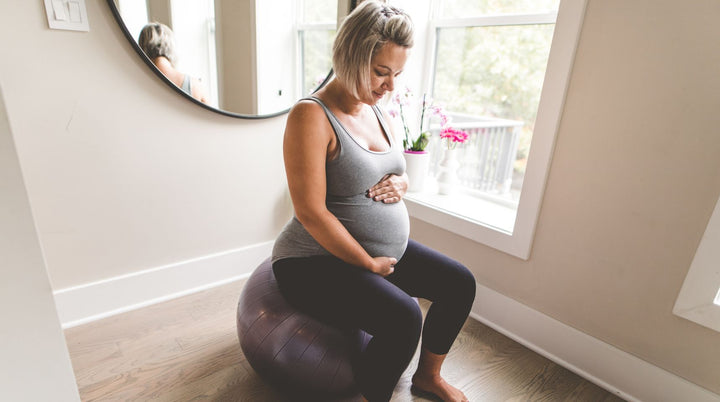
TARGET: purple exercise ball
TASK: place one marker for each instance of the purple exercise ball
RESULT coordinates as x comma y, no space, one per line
290,349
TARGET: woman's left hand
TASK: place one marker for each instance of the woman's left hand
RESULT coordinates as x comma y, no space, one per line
389,189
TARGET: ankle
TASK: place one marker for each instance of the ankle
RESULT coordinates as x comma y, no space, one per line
421,378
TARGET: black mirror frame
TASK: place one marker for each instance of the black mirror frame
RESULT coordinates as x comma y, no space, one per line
143,56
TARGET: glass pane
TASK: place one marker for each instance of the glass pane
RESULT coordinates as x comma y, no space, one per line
476,8
319,11
490,79
316,57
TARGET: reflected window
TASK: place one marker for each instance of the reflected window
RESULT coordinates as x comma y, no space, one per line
317,21
255,58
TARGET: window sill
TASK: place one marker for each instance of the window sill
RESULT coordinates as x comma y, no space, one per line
482,220
472,209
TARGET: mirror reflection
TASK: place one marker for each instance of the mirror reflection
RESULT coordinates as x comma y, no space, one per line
158,43
250,58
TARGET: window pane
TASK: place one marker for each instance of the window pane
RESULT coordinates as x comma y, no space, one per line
319,11
316,57
491,78
475,8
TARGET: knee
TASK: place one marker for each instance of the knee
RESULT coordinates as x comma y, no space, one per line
404,322
410,321
465,285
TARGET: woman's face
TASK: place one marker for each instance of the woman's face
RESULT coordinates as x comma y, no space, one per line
385,67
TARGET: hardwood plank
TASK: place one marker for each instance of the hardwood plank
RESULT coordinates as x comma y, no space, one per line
187,350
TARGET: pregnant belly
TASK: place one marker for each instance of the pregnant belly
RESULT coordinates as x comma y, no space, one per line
382,229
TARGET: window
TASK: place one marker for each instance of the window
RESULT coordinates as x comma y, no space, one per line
699,298
316,32
488,64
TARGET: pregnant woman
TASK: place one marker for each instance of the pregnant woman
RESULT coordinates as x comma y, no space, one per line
345,256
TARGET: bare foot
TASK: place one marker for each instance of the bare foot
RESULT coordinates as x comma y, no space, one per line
438,386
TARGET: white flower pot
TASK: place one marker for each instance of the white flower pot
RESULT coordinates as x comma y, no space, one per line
417,164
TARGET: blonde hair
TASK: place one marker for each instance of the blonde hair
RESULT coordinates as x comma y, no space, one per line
158,40
361,35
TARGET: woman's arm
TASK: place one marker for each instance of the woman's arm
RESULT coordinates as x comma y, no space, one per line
308,140
199,91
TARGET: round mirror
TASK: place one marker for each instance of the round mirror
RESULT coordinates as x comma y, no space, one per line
241,58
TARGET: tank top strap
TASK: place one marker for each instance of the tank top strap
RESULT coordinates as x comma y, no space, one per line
340,133
338,127
331,116
384,125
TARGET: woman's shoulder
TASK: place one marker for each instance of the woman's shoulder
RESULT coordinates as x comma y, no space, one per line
308,116
308,129
306,110
308,102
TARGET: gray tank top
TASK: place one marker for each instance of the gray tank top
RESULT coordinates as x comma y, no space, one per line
382,229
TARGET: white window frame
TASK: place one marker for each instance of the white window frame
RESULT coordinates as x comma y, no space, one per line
699,297
557,76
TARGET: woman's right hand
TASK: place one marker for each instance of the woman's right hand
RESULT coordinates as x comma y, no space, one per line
384,266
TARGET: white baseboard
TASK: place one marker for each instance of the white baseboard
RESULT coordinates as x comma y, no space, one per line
617,371
85,303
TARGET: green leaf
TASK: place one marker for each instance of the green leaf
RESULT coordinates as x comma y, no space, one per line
420,143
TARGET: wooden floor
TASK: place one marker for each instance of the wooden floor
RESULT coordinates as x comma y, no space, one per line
187,350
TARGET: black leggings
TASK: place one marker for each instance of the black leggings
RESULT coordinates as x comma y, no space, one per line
348,296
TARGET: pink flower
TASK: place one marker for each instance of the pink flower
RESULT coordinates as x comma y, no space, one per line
454,135
402,98
439,112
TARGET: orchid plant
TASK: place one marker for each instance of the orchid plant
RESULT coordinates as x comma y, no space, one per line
404,99
401,101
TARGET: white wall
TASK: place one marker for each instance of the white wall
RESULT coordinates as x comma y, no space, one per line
634,179
35,361
123,174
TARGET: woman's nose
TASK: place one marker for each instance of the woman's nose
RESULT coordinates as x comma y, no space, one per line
390,84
